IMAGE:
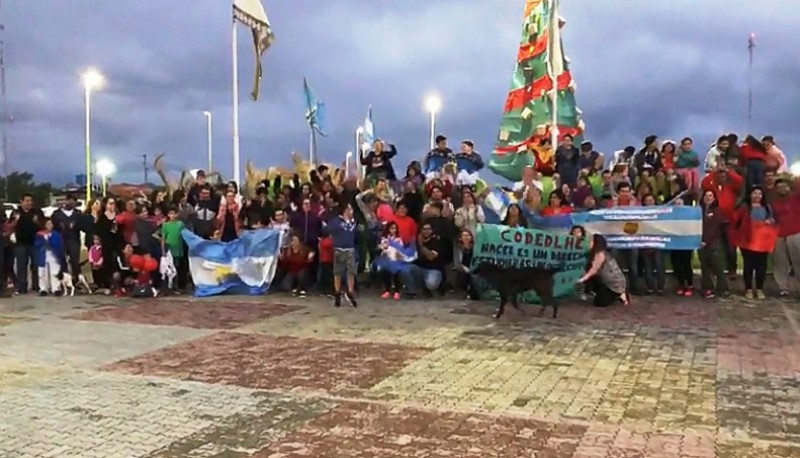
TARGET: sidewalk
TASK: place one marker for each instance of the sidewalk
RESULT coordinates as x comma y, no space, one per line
283,377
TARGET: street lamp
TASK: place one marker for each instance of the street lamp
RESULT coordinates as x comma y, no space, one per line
433,104
207,114
92,79
105,168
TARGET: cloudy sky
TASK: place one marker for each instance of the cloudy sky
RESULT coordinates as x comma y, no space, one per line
669,68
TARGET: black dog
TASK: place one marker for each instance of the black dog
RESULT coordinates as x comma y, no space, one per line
509,282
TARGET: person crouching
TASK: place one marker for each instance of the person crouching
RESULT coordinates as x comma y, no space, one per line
342,230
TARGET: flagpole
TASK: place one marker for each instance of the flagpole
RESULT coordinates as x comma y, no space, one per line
235,69
359,152
554,79
312,146
751,46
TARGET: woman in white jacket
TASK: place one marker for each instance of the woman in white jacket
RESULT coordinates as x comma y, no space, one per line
470,214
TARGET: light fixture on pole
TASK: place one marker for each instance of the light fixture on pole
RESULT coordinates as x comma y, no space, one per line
92,80
105,169
433,104
207,114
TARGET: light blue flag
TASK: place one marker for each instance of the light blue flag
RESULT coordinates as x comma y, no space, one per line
315,109
663,227
245,266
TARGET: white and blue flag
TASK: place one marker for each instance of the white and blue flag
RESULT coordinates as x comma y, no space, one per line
665,227
367,131
244,266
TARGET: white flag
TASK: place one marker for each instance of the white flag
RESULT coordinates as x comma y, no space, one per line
252,14
555,52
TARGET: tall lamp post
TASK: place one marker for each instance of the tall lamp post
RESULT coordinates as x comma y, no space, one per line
92,80
433,104
207,114
105,169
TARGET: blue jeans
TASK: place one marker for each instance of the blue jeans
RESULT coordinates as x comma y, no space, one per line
24,261
416,277
754,173
654,276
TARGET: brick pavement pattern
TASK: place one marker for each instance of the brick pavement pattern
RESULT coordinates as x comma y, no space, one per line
280,377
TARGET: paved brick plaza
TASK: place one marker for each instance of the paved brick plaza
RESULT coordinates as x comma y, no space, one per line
282,377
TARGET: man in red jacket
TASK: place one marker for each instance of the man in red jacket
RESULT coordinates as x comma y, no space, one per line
787,249
727,185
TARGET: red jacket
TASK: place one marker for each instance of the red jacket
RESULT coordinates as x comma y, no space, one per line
740,231
406,228
727,192
787,213
295,261
747,152
326,250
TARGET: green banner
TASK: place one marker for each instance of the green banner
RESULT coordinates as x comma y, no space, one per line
521,248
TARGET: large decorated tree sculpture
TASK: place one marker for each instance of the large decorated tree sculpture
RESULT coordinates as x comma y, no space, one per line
528,112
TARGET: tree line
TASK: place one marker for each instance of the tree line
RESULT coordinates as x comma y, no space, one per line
15,184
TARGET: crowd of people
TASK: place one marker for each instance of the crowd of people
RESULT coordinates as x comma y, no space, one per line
424,220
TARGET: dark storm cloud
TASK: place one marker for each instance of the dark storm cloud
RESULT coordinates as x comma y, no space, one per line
671,68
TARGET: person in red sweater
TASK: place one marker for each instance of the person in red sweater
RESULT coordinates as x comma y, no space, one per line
785,206
753,157
406,226
727,186
126,221
558,205
295,260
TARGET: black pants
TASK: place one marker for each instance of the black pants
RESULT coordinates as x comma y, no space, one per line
3,275
25,262
730,251
326,278
603,296
391,282
682,267
711,268
755,264
72,249
182,268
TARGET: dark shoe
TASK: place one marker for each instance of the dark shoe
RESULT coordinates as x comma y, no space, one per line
352,300
337,300
42,293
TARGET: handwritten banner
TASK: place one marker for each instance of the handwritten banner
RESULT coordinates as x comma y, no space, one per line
521,248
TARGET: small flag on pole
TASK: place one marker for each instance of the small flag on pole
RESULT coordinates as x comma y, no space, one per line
315,109
555,53
252,14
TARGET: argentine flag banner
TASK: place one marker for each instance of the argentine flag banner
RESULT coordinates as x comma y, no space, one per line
664,227
243,266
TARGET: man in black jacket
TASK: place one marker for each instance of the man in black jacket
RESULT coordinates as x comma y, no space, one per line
205,214
66,220
27,222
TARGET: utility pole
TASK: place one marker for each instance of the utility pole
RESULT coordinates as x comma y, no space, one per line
144,166
7,119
